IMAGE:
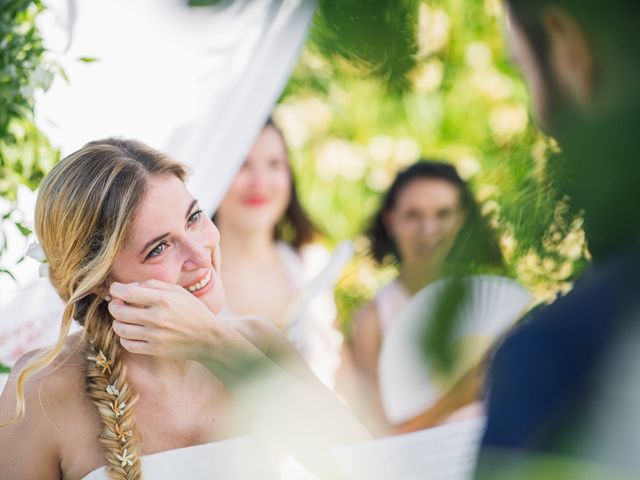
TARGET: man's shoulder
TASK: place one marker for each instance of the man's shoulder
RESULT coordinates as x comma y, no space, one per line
546,363
588,312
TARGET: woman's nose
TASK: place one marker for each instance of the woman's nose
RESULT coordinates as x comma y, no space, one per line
257,178
196,256
429,226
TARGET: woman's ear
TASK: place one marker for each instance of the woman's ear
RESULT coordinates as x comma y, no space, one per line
571,55
102,291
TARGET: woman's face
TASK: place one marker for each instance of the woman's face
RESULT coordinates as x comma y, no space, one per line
260,193
173,241
425,220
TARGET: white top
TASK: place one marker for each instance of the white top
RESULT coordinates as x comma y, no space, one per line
240,458
389,301
311,313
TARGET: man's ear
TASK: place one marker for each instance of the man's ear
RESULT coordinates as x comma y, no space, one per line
570,55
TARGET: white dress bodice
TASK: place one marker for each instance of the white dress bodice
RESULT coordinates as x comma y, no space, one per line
311,311
240,458
389,301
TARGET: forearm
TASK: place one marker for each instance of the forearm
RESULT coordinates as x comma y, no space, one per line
303,418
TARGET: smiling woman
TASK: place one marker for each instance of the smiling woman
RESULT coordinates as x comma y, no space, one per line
273,266
173,241
429,225
136,262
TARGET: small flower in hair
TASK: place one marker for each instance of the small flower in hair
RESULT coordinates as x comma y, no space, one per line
122,434
113,390
101,361
126,459
118,409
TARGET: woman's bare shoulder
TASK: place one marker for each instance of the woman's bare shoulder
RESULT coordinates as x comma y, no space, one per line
30,444
50,385
66,367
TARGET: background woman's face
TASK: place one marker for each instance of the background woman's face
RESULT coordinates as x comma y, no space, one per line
173,241
261,191
425,220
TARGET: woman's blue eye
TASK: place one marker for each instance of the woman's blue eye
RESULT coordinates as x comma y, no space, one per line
195,217
157,250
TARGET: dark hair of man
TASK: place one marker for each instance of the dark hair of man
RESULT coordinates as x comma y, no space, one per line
475,245
598,173
612,22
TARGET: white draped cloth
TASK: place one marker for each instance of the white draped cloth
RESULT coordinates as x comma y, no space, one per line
196,82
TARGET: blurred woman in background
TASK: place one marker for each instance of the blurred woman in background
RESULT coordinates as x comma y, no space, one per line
428,225
271,266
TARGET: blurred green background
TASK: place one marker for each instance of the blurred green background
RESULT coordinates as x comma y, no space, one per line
352,122
379,84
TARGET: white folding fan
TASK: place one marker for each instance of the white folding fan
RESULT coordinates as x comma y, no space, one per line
408,384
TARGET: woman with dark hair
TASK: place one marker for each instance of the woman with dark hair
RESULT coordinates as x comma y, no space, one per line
429,225
270,260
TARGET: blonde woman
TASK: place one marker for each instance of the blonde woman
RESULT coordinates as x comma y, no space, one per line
155,383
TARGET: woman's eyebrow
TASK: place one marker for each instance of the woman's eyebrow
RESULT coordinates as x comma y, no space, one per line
151,242
160,237
190,208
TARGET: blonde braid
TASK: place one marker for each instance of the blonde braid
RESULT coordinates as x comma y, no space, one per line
85,209
107,386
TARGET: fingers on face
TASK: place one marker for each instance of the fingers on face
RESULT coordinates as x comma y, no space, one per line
147,293
136,294
136,346
130,331
129,313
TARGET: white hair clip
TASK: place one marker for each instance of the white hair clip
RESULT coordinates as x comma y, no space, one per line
113,390
118,409
126,459
101,361
122,434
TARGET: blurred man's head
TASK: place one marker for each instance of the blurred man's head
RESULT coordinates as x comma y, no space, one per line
581,62
578,56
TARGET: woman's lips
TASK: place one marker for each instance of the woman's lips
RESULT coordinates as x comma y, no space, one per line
204,285
256,201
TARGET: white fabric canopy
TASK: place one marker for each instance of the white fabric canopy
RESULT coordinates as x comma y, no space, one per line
197,82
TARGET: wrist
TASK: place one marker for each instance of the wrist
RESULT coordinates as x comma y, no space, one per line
229,355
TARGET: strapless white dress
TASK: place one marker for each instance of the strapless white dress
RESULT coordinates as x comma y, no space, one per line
240,458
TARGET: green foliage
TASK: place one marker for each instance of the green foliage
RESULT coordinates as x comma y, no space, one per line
350,130
205,3
25,154
377,36
4,369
